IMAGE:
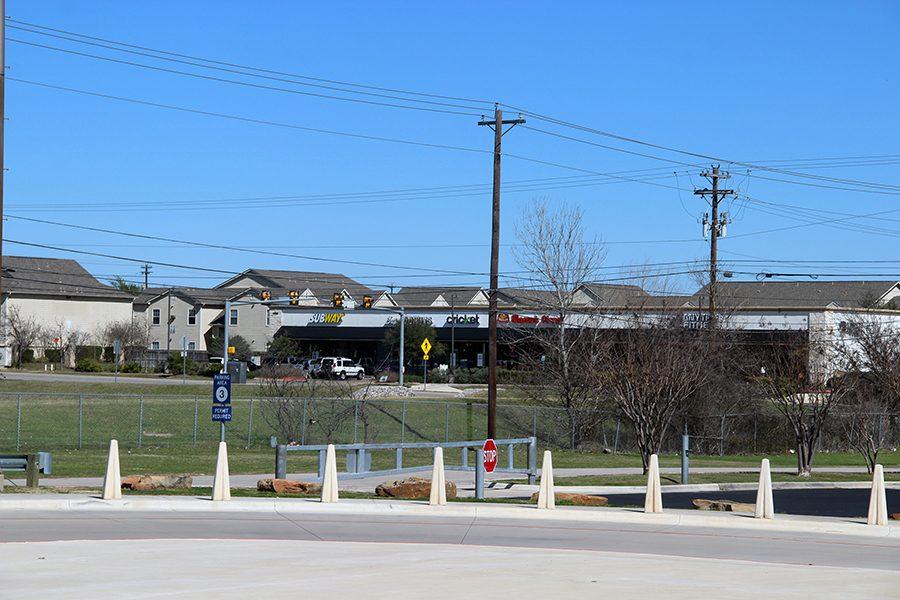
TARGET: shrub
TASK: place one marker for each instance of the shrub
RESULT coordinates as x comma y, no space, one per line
53,355
87,365
175,364
131,367
209,369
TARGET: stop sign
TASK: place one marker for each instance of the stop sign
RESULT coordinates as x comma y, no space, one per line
490,455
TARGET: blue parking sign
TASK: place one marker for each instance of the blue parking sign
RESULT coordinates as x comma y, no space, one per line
221,412
222,388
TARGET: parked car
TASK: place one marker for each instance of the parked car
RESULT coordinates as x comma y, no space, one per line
338,367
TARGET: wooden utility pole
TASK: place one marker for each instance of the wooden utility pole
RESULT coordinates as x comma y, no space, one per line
146,269
496,124
2,136
716,227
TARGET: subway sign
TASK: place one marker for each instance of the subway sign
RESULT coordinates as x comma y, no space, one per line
332,318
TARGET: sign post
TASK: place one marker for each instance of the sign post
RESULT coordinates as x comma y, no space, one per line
183,359
117,349
221,408
426,346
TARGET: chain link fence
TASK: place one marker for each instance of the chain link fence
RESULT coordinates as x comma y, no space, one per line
52,422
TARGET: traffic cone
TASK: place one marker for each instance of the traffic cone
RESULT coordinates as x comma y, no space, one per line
330,482
222,481
765,506
878,499
438,482
547,493
653,501
112,482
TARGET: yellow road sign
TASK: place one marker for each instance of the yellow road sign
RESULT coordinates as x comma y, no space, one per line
425,357
426,346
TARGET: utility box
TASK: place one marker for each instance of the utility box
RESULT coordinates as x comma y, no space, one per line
238,371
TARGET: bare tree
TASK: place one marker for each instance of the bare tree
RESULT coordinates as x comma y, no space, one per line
796,381
654,369
23,332
132,334
562,355
62,336
869,348
291,405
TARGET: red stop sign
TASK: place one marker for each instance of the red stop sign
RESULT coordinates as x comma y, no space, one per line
490,455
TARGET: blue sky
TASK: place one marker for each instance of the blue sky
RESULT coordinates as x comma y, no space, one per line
756,82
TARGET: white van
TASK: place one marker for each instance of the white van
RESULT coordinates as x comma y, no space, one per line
338,367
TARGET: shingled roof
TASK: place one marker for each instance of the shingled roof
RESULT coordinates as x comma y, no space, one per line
439,296
798,294
26,275
322,285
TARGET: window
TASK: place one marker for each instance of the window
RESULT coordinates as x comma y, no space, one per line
192,345
232,320
155,345
192,316
268,318
156,316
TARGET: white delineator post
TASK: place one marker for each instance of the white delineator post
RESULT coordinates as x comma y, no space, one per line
765,506
653,501
547,493
330,482
878,499
112,482
438,481
222,480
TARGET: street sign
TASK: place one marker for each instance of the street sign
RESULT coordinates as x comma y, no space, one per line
425,357
490,455
426,347
221,413
222,388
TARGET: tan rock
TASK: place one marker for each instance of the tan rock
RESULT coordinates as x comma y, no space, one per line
577,499
288,486
723,505
143,483
412,488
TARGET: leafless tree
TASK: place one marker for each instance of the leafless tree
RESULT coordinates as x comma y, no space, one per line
292,404
62,336
23,332
132,334
797,381
556,254
868,347
654,369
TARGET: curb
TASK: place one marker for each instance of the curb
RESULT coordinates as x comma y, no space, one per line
671,517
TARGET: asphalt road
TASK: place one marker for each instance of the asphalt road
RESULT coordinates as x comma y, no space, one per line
777,547
827,502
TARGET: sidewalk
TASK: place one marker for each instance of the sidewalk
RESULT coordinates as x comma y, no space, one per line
413,509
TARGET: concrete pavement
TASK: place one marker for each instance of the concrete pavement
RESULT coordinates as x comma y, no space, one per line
226,569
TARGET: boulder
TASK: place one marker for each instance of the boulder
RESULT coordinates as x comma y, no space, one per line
723,505
577,499
288,486
412,488
143,483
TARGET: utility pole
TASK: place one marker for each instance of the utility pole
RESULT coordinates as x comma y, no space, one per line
716,227
496,124
2,132
145,268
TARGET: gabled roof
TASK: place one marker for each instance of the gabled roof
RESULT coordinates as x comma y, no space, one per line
528,297
439,296
26,275
613,295
796,294
322,285
192,295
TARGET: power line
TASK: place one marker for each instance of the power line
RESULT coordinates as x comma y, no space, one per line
237,82
193,62
258,69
